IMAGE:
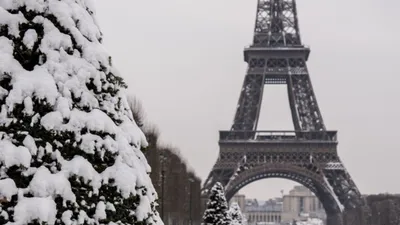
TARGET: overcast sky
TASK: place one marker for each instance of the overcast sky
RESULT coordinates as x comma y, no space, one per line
184,60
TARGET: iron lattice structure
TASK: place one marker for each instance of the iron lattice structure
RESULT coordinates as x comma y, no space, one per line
307,155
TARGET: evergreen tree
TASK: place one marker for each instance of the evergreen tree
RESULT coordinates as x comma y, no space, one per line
217,207
235,214
70,150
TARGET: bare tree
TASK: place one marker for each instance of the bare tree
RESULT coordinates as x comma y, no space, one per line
137,110
177,187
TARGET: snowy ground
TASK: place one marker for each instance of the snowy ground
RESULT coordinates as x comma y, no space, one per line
312,221
309,221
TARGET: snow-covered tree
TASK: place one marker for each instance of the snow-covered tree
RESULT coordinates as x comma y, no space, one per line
217,212
244,220
235,214
70,150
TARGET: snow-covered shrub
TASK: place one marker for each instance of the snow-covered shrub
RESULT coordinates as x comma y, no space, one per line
216,212
235,214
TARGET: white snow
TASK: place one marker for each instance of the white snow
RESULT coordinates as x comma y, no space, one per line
30,38
81,167
95,120
82,217
28,104
45,184
125,177
38,83
29,142
7,188
145,206
3,92
90,142
66,217
235,214
12,20
55,81
4,214
110,206
341,207
28,209
11,155
311,221
100,213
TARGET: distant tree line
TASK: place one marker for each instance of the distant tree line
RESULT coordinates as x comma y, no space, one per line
177,185
384,210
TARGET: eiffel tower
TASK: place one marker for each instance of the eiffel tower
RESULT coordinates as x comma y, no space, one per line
307,155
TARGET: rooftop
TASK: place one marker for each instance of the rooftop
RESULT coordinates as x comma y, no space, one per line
272,205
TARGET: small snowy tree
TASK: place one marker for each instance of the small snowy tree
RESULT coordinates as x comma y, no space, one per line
217,207
244,220
70,150
235,214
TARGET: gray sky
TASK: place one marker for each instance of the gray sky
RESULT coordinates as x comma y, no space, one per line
184,60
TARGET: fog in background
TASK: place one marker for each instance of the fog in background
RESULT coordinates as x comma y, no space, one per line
184,60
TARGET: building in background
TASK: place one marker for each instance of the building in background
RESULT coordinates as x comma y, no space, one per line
301,203
259,212
240,199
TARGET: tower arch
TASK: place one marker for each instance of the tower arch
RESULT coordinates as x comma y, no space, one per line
313,181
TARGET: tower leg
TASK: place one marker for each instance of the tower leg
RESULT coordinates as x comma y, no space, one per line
334,219
305,102
249,104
